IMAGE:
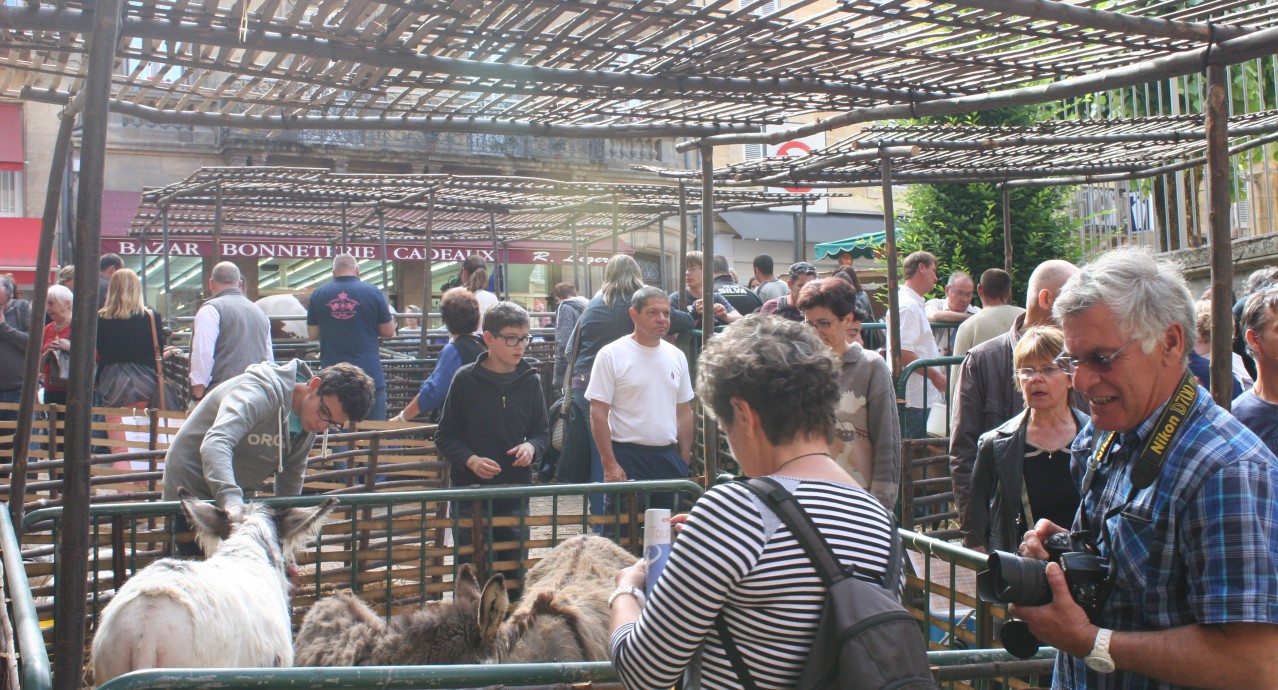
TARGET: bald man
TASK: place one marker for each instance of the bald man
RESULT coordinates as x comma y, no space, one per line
348,316
987,395
229,334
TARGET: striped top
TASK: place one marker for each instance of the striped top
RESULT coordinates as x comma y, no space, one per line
735,556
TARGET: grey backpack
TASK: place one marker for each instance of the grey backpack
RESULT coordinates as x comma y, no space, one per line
865,640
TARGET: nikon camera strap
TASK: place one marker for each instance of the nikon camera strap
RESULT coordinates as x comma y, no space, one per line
1153,453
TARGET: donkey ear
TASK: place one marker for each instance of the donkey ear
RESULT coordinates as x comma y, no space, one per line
208,520
467,585
299,525
493,604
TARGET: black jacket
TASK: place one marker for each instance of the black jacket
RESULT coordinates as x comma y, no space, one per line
994,509
484,417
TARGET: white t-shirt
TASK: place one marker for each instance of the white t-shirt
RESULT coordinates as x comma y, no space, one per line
643,385
916,337
486,300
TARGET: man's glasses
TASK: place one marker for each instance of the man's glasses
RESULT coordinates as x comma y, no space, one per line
1027,373
515,340
326,416
821,324
1099,363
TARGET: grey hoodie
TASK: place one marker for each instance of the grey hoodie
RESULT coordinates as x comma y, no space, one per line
238,436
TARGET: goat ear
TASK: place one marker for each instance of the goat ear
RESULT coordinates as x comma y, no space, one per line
467,585
299,525
207,519
493,604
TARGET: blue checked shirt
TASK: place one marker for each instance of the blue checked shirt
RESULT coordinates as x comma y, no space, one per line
1198,546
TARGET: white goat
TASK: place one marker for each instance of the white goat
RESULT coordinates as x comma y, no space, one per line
231,610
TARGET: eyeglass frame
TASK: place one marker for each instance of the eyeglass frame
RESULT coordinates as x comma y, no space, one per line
1101,363
525,340
1047,372
326,416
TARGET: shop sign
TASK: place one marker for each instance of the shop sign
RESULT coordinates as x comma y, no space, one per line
271,249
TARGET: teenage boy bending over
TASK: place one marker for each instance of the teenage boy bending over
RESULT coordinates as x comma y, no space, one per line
494,425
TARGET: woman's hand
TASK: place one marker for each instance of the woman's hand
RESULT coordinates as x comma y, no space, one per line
635,575
63,344
676,522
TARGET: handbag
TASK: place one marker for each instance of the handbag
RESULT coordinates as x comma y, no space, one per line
166,392
59,368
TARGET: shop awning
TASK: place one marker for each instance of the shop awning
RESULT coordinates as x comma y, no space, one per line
779,227
862,246
19,248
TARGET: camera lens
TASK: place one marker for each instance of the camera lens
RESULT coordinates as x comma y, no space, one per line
1010,579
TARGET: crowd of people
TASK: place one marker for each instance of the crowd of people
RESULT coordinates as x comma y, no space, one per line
1084,412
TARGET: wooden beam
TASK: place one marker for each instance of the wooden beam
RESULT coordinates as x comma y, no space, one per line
1222,266
73,549
1258,44
1116,22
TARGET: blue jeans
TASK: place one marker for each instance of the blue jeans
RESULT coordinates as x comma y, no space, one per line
596,463
377,413
646,463
914,422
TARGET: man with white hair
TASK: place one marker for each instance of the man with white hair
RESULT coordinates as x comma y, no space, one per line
1177,495
349,316
955,307
229,333
986,394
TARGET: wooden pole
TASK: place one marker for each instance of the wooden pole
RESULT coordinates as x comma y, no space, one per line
576,256
616,224
72,554
680,280
707,298
428,297
1222,267
803,232
1007,229
164,247
661,247
344,247
894,301
31,365
381,237
217,225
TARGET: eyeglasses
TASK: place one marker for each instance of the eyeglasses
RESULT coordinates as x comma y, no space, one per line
515,340
1101,363
821,324
326,416
1027,373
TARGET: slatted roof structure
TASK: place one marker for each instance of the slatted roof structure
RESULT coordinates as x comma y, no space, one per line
1048,152
613,67
272,201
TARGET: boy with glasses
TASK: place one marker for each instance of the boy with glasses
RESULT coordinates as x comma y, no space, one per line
494,424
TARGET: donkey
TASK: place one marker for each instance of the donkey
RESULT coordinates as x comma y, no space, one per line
563,614
343,631
231,610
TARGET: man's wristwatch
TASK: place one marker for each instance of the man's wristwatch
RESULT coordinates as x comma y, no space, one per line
627,589
1099,659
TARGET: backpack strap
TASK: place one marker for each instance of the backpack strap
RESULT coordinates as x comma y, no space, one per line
783,503
730,648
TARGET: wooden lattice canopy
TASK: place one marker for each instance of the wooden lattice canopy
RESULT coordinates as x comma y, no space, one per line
614,67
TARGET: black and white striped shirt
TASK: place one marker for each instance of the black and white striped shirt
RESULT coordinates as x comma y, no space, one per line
735,556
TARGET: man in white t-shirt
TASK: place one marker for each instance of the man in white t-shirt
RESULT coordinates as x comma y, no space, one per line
640,397
954,308
919,271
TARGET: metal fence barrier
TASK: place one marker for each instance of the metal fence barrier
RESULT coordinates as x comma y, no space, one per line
32,658
391,549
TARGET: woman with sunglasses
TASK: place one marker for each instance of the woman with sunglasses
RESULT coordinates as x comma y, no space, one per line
1022,467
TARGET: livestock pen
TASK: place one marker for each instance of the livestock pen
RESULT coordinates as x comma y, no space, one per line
393,551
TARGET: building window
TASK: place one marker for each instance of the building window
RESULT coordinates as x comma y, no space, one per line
10,193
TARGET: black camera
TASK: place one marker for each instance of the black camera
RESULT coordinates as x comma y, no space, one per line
1011,579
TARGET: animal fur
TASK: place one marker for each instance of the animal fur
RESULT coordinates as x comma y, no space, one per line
231,610
563,614
343,631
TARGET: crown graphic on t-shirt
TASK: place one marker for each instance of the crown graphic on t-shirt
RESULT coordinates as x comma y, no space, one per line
343,307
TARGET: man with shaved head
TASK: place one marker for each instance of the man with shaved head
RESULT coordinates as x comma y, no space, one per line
987,394
348,316
229,334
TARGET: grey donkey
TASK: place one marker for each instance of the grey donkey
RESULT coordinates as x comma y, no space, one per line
343,631
563,614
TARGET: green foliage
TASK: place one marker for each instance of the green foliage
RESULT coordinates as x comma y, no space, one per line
962,224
